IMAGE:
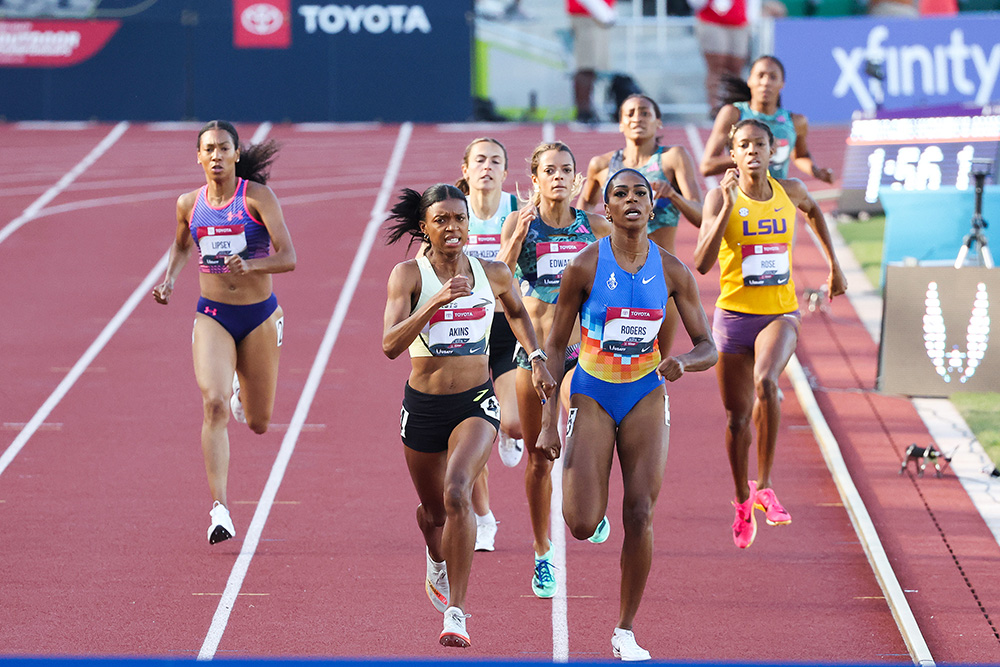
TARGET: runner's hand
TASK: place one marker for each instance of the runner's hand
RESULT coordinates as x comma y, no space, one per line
162,292
542,381
237,265
453,288
670,369
729,185
548,443
524,218
836,282
662,190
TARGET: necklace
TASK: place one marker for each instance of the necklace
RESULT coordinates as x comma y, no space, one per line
630,252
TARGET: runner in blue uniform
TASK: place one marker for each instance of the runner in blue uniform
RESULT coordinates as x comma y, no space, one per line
440,307
232,221
619,287
759,98
538,241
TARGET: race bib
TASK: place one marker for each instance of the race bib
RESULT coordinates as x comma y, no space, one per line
631,331
553,257
483,246
766,264
217,243
782,151
457,331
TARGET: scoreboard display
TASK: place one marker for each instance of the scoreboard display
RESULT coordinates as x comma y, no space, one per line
926,149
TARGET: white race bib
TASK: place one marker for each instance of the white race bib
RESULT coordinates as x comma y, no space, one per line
631,331
765,264
217,243
553,257
483,246
457,331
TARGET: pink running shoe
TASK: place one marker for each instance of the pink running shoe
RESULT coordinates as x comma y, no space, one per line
775,514
745,525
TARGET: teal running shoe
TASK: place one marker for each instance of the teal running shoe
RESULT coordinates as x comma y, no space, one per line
601,534
544,582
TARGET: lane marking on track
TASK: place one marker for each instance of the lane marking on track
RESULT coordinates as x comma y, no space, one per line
548,132
29,213
36,422
560,606
239,571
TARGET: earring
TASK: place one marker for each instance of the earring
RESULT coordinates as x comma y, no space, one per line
651,215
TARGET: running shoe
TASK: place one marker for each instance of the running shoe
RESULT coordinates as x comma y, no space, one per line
745,524
624,647
601,534
774,513
543,583
511,450
235,404
485,535
436,583
454,633
222,524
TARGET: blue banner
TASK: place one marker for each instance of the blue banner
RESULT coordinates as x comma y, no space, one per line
835,67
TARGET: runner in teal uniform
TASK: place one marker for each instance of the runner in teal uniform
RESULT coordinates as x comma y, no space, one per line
759,98
671,172
538,241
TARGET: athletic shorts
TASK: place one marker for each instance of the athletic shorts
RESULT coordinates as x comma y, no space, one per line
736,333
617,398
572,356
723,40
502,345
427,420
239,321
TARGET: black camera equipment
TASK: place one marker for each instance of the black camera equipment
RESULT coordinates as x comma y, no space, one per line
980,169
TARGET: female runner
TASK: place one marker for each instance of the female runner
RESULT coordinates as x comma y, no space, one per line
670,171
484,169
749,226
759,97
440,306
619,287
538,241
238,326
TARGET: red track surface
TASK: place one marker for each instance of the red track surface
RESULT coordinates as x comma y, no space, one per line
103,513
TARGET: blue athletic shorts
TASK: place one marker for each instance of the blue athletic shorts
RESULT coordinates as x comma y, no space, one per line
617,399
239,321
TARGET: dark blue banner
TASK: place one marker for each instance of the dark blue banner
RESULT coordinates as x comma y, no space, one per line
837,66
276,60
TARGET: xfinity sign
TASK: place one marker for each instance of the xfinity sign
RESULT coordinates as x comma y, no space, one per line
930,62
374,19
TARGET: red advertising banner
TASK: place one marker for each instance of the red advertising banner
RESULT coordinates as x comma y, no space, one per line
262,24
52,43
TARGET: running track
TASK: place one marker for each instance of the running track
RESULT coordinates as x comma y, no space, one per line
103,503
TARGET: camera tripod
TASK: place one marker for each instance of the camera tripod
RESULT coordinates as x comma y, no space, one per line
976,235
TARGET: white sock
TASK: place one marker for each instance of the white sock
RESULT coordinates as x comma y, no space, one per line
485,519
434,564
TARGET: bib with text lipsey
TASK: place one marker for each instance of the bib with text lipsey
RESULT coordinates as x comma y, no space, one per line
631,331
765,264
457,331
552,258
217,243
483,246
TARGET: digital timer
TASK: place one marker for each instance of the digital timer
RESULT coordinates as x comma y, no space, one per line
915,153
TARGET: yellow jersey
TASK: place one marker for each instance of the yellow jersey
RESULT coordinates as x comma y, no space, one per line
755,257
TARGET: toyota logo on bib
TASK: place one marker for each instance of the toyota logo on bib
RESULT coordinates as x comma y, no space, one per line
262,18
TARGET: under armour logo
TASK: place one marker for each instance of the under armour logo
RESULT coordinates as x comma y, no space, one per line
238,215
612,283
211,311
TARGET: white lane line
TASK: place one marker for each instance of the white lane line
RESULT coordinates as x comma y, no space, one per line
261,133
860,518
64,182
72,125
548,132
141,292
239,571
560,606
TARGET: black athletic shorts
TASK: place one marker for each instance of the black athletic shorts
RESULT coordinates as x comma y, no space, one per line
502,344
427,420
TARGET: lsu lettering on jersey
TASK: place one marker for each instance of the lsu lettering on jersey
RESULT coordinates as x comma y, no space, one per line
755,257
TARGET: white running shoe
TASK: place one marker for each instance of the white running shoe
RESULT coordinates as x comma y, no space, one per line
454,632
623,646
511,450
235,404
486,534
436,583
222,524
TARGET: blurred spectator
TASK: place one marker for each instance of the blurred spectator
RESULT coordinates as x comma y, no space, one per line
723,33
590,21
906,8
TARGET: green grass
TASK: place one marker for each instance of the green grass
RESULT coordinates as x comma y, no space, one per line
865,240
980,411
